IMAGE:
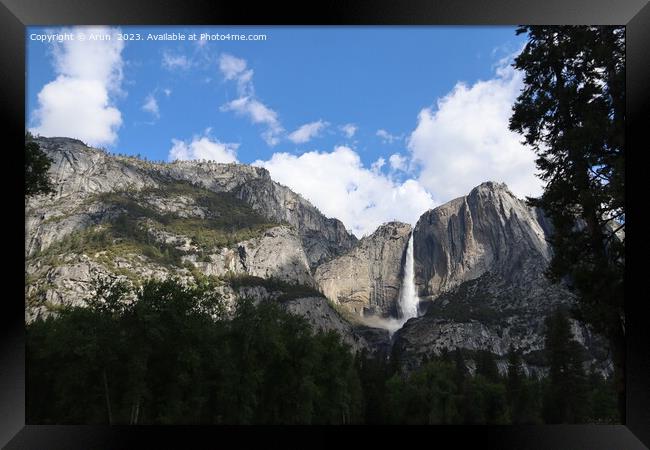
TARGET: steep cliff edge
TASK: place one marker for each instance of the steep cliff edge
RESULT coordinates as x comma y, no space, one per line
488,230
125,217
479,268
367,279
80,172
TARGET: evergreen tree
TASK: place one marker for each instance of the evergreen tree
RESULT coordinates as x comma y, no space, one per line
565,399
170,356
520,391
602,399
572,113
461,372
486,366
424,397
36,166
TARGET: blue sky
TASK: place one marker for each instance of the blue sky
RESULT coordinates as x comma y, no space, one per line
369,123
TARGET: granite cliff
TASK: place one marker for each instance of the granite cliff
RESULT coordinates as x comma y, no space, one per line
126,218
479,260
479,272
366,280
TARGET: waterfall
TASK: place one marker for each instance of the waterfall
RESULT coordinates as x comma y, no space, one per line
408,299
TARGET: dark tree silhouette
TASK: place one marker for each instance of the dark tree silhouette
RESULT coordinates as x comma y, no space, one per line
572,113
36,166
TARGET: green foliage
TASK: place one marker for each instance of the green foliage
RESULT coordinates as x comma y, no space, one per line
572,113
36,166
484,402
486,366
602,400
427,396
565,397
230,221
169,353
171,356
522,393
124,237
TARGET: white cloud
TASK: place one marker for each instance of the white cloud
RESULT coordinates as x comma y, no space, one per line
151,105
258,113
386,137
173,62
397,162
203,147
231,66
308,131
247,104
234,68
377,165
349,129
79,101
340,186
167,92
465,140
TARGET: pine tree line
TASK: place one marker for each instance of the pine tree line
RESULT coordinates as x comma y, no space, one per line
167,353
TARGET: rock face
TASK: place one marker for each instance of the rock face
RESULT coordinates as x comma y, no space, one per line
324,318
488,230
79,172
323,238
135,219
479,260
493,313
278,254
367,279
479,264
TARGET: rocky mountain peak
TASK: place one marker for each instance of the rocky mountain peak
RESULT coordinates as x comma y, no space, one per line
488,230
491,186
390,230
479,270
81,173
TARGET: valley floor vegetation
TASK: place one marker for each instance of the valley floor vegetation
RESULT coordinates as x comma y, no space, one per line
172,353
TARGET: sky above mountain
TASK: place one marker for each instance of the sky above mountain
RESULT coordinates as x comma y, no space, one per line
370,124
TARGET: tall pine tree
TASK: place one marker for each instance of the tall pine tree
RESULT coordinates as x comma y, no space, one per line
571,111
566,397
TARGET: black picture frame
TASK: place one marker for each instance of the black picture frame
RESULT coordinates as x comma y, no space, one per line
15,15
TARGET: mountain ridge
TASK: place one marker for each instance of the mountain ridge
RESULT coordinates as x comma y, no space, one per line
476,257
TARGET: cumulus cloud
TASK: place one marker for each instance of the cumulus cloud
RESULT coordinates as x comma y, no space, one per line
397,162
258,113
308,131
340,186
386,137
151,105
349,129
203,147
247,104
79,102
167,92
175,62
464,140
